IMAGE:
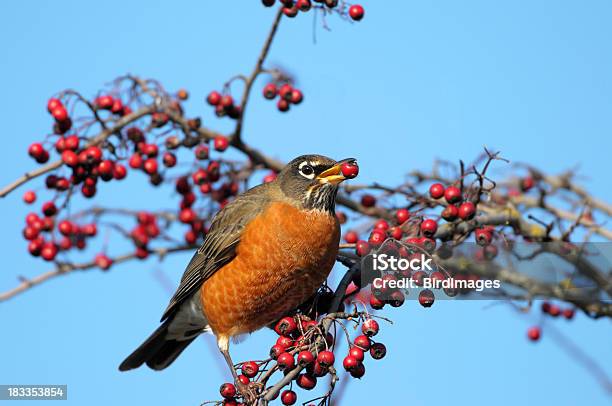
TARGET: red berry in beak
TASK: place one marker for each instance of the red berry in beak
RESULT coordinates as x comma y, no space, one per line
350,170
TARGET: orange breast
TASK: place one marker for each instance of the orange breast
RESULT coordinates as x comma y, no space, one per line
283,257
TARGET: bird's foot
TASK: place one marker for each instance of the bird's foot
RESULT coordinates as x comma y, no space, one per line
250,392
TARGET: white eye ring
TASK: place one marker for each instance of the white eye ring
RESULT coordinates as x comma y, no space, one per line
306,170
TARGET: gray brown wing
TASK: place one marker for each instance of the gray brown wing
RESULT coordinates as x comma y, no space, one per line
219,246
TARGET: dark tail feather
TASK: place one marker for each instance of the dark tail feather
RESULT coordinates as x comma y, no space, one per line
168,353
156,351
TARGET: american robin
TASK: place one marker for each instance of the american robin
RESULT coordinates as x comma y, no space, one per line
266,253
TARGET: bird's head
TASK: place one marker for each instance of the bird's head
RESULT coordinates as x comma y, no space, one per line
312,180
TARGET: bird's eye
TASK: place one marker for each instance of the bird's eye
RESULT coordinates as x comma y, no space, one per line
307,171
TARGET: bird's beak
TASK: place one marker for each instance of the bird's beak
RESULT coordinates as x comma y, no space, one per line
334,174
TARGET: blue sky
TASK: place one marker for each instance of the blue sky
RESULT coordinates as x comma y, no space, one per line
412,82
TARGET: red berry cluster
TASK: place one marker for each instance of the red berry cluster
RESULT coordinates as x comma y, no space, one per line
457,207
287,95
58,111
295,335
112,104
292,7
224,105
87,161
39,231
555,311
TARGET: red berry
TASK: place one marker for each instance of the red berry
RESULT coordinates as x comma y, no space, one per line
227,101
49,209
426,298
201,152
118,108
362,248
351,237
270,91
71,142
200,176
429,227
60,144
282,105
35,247
53,103
554,310
450,213
436,190
150,166
37,151
358,372
103,262
377,237
350,170
357,353
214,98
381,225
452,194
350,363
534,333
285,92
119,171
29,197
284,342
288,397
92,155
356,12
90,230
303,5
568,313
150,150
418,277
228,390
368,201
169,159
396,233
306,381
187,216
296,96
60,113
305,358
285,361
276,350
221,143
467,210
65,227
378,350
326,358
141,252
363,342
402,215
290,11
135,161
370,327
70,158
104,102
49,251
250,369
30,233
483,236
106,167
285,326
527,183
